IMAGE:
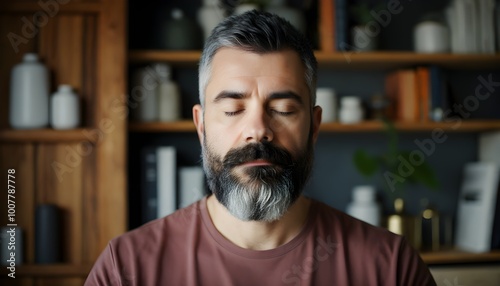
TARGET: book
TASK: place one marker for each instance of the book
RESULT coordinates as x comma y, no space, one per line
327,25
439,95
341,25
489,147
486,26
166,180
478,207
191,185
401,88
149,198
424,93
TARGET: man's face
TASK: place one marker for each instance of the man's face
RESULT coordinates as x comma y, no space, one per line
257,131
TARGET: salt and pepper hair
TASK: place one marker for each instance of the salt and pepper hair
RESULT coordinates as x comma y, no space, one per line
258,32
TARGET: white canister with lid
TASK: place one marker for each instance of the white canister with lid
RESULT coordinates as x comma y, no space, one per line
64,108
29,94
364,205
351,110
168,94
325,97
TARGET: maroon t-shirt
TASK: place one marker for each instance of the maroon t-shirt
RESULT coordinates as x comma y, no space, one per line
185,248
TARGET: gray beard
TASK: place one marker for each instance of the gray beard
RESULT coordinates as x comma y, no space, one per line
265,194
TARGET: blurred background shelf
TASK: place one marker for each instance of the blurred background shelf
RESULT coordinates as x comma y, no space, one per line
345,61
45,135
367,126
458,256
49,270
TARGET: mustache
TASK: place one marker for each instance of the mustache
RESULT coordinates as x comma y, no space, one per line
255,151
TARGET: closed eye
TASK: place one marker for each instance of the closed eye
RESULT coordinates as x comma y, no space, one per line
282,113
233,113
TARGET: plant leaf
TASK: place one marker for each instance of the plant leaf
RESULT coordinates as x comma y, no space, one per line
365,163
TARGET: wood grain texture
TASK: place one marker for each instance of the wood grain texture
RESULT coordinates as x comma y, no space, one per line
59,181
20,157
111,210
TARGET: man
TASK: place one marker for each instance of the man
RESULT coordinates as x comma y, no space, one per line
257,124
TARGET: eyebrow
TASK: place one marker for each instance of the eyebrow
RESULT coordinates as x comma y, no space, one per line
275,95
229,94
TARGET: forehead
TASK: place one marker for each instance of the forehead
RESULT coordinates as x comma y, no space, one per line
235,68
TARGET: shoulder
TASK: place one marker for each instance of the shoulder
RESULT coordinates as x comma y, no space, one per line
151,235
372,249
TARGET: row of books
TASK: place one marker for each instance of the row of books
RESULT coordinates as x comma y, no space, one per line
478,213
417,95
164,187
472,25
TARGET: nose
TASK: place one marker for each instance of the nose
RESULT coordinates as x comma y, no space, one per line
258,128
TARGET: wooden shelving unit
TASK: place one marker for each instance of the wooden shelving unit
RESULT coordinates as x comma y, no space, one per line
345,61
49,270
70,6
46,135
367,126
456,256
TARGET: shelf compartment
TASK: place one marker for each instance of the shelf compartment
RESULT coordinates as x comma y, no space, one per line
71,6
45,135
49,270
455,256
367,126
347,61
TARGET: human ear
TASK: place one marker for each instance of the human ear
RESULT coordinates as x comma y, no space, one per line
316,121
198,122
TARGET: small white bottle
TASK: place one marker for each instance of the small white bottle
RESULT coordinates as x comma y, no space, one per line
64,108
169,107
143,93
351,110
364,206
325,97
29,94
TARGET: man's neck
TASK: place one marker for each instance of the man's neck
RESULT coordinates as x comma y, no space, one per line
259,235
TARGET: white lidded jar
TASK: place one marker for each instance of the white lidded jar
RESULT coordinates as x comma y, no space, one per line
64,108
209,15
143,93
169,102
29,94
364,205
326,98
351,110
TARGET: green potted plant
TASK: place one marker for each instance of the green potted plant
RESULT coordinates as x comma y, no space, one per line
391,163
364,34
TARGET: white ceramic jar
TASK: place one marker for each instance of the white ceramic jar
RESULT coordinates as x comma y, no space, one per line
364,205
143,92
29,94
351,110
64,108
209,15
431,37
168,94
325,97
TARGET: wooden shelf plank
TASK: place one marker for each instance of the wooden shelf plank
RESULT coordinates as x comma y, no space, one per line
178,58
367,126
457,256
392,60
33,6
153,127
49,270
45,135
347,61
